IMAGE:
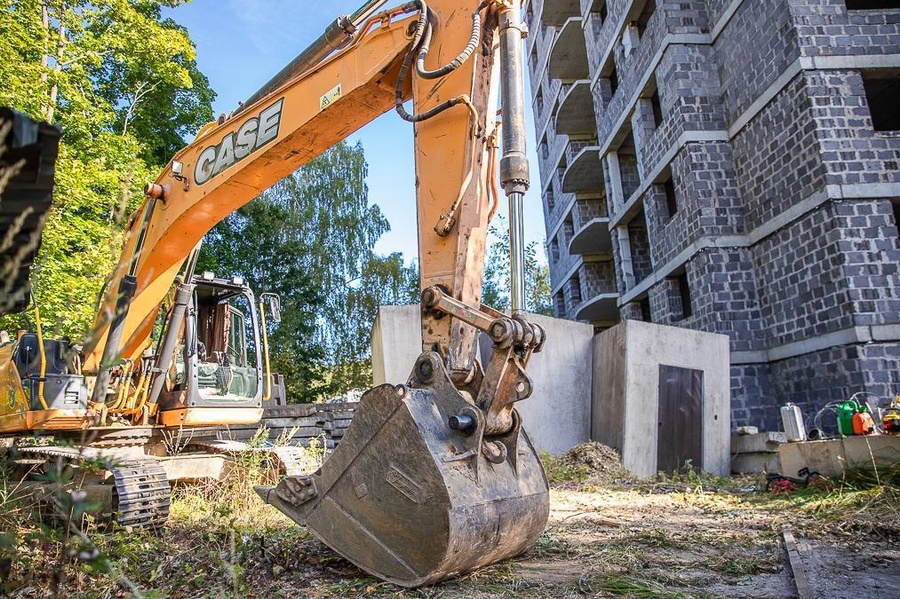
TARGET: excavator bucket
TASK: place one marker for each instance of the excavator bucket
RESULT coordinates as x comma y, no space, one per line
413,501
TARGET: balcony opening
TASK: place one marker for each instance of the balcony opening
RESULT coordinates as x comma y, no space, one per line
559,305
883,94
561,167
644,17
629,171
639,242
554,250
529,14
656,106
539,102
645,309
598,7
569,227
551,200
871,4
613,80
575,290
671,200
896,203
684,291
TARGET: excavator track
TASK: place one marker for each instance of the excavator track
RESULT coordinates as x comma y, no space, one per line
141,495
290,460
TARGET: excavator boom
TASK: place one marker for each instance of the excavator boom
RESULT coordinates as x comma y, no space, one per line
234,160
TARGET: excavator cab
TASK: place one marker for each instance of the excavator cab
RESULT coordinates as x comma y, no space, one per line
216,369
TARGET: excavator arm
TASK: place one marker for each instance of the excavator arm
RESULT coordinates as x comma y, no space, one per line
435,477
235,159
296,118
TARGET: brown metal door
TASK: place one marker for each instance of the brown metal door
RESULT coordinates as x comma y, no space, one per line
679,421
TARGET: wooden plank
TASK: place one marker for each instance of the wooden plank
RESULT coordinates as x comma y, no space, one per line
801,579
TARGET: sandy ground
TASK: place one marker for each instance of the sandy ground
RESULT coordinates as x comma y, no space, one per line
698,544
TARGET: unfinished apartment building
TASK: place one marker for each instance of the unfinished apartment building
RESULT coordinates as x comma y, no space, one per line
729,166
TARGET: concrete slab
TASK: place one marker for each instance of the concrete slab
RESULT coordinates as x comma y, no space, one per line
757,443
751,463
396,343
626,389
834,457
558,414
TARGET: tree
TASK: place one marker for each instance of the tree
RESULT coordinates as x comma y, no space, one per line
496,283
104,71
310,239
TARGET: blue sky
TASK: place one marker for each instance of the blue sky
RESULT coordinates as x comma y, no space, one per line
242,43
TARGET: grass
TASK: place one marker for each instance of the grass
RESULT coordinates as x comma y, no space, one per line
670,537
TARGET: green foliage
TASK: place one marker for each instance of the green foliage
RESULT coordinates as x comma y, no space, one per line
496,284
123,84
310,240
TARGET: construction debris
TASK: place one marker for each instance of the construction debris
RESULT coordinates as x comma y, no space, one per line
597,462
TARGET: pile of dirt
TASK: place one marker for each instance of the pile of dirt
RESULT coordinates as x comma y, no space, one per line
595,462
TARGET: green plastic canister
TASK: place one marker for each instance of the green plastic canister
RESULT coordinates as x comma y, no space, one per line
845,417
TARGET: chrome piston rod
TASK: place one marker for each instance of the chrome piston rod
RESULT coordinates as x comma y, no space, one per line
514,172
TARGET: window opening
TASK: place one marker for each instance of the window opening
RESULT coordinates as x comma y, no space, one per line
883,95
872,4
671,201
684,290
657,109
644,18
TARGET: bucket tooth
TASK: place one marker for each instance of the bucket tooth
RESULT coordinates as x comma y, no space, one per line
405,498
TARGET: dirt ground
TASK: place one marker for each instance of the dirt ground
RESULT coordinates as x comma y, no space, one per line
684,536
687,535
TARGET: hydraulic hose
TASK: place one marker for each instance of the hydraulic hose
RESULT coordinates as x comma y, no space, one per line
421,29
43,373
456,62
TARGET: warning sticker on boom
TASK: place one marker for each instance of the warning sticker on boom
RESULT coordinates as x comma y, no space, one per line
329,98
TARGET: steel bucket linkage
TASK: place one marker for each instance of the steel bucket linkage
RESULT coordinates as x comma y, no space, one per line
412,501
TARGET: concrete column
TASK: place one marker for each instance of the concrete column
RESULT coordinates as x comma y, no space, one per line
642,126
614,187
625,263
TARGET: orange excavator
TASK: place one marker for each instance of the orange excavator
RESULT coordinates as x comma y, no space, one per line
434,477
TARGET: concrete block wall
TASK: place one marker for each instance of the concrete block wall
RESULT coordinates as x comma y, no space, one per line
557,416
627,389
587,386
785,196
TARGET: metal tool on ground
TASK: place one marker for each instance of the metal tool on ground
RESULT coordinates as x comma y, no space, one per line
781,484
